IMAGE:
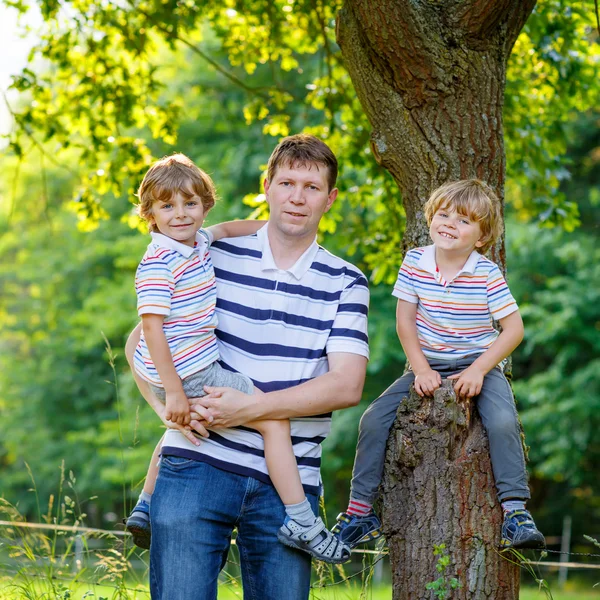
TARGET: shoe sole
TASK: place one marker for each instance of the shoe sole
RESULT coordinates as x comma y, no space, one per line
526,545
141,536
292,544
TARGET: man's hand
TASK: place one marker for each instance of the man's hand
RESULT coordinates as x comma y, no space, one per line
200,418
226,406
177,408
468,382
427,381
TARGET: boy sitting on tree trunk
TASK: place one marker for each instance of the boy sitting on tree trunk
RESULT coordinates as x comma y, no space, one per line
448,296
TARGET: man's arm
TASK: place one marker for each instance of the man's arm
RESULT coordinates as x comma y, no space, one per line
153,401
234,229
339,388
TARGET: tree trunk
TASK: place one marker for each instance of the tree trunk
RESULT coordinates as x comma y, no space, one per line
438,488
430,76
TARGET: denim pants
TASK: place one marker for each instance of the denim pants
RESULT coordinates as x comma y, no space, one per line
195,508
496,407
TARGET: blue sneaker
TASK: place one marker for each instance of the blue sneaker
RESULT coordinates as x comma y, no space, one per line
519,531
353,529
138,524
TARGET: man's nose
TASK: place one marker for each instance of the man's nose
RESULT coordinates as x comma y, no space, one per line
297,195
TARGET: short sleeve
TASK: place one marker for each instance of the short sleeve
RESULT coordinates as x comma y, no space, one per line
404,288
349,330
210,238
500,301
154,286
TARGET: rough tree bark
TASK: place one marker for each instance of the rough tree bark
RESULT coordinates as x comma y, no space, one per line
438,488
430,75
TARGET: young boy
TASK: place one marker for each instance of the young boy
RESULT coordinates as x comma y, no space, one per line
178,354
448,296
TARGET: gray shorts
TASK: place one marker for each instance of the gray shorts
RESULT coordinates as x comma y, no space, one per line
213,375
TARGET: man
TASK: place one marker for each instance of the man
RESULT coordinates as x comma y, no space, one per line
293,317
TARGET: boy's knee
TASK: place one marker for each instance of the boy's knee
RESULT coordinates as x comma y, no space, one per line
504,423
370,423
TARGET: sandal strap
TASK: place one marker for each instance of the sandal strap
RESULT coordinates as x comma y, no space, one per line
310,534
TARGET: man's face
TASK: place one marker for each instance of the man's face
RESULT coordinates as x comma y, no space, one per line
298,197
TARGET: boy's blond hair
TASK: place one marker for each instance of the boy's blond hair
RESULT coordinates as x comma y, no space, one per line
170,175
302,150
474,199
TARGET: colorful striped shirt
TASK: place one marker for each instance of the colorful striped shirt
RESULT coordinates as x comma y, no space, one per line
455,318
278,327
178,281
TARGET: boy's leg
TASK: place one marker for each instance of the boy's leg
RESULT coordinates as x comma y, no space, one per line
270,569
496,406
138,522
359,524
373,433
302,528
194,510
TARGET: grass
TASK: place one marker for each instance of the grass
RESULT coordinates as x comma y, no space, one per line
10,590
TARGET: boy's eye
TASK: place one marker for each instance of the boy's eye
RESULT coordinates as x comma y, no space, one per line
167,205
192,203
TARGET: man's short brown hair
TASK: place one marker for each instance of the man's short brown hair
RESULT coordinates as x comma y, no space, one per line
171,175
474,199
303,150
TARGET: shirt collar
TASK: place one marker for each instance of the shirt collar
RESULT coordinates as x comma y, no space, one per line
166,242
427,261
267,262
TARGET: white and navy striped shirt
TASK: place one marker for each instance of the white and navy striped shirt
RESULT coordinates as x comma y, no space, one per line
278,327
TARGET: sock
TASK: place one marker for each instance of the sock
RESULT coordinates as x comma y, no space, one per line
360,508
513,504
301,513
145,497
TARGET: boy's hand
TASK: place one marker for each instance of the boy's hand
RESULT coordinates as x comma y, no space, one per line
468,382
427,381
177,408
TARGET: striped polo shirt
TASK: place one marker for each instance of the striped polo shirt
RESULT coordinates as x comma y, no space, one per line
278,327
178,281
454,318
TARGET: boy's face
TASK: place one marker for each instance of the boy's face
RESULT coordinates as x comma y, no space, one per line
178,217
298,197
453,232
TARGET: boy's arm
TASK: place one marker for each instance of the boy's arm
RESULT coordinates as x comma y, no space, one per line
152,400
234,229
469,382
177,405
426,379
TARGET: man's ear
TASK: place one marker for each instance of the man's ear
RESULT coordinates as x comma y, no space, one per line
331,199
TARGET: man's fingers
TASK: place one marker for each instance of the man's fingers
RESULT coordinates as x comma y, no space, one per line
190,436
201,413
199,428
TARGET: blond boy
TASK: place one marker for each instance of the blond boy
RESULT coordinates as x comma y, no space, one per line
449,294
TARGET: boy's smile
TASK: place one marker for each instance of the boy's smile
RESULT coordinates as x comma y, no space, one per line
455,233
179,217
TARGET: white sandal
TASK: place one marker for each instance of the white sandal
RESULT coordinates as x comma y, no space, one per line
314,539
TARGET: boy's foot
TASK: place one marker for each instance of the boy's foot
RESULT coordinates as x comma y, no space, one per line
138,524
354,529
314,539
519,531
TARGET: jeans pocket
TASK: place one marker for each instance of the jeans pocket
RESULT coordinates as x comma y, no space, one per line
176,462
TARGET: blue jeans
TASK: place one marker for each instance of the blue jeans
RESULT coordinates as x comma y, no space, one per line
195,508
